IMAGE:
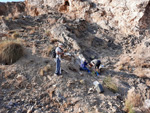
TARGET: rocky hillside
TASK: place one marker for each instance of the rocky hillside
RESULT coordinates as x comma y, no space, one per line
116,32
127,17
11,8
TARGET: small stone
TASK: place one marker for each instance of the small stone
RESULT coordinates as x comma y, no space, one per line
114,109
109,103
21,78
24,110
30,110
37,111
82,81
47,106
91,90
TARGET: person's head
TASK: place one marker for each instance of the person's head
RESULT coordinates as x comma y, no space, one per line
60,45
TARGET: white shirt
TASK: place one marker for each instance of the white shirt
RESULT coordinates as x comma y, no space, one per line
94,61
58,50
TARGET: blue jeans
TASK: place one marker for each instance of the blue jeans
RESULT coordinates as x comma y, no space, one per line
85,69
58,66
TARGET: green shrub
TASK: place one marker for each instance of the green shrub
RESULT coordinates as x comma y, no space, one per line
108,82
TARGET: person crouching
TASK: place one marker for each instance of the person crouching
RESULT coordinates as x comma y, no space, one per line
96,63
83,65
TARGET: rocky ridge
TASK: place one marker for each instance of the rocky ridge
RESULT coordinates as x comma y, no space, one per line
29,85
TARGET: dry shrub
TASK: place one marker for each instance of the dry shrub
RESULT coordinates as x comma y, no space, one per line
123,64
7,18
10,74
53,40
133,100
137,62
15,17
15,35
32,31
10,52
140,72
129,107
45,70
48,33
108,82
49,50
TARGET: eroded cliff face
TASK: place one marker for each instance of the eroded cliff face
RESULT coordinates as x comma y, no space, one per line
11,8
127,16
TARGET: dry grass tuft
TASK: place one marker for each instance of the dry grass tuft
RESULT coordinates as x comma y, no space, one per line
140,72
133,100
129,107
10,52
15,17
32,31
48,50
45,70
48,33
53,40
123,64
15,35
108,82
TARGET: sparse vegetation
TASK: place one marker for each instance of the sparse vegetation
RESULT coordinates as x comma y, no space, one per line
7,18
45,70
108,82
15,35
10,51
129,107
48,33
133,100
32,31
15,17
139,72
53,40
49,49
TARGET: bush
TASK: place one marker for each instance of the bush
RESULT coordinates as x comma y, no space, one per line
45,70
10,52
48,33
129,107
15,35
53,40
108,82
133,100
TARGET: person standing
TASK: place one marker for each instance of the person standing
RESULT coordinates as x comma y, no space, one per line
59,53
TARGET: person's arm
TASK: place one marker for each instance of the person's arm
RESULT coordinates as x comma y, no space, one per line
59,52
92,63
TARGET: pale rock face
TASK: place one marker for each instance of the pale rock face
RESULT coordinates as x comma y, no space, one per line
127,16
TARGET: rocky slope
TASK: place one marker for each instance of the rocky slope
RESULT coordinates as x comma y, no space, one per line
127,17
29,84
12,8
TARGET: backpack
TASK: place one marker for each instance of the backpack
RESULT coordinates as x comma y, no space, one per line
54,52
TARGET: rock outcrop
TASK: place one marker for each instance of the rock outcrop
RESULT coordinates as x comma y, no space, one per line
93,29
11,8
127,17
